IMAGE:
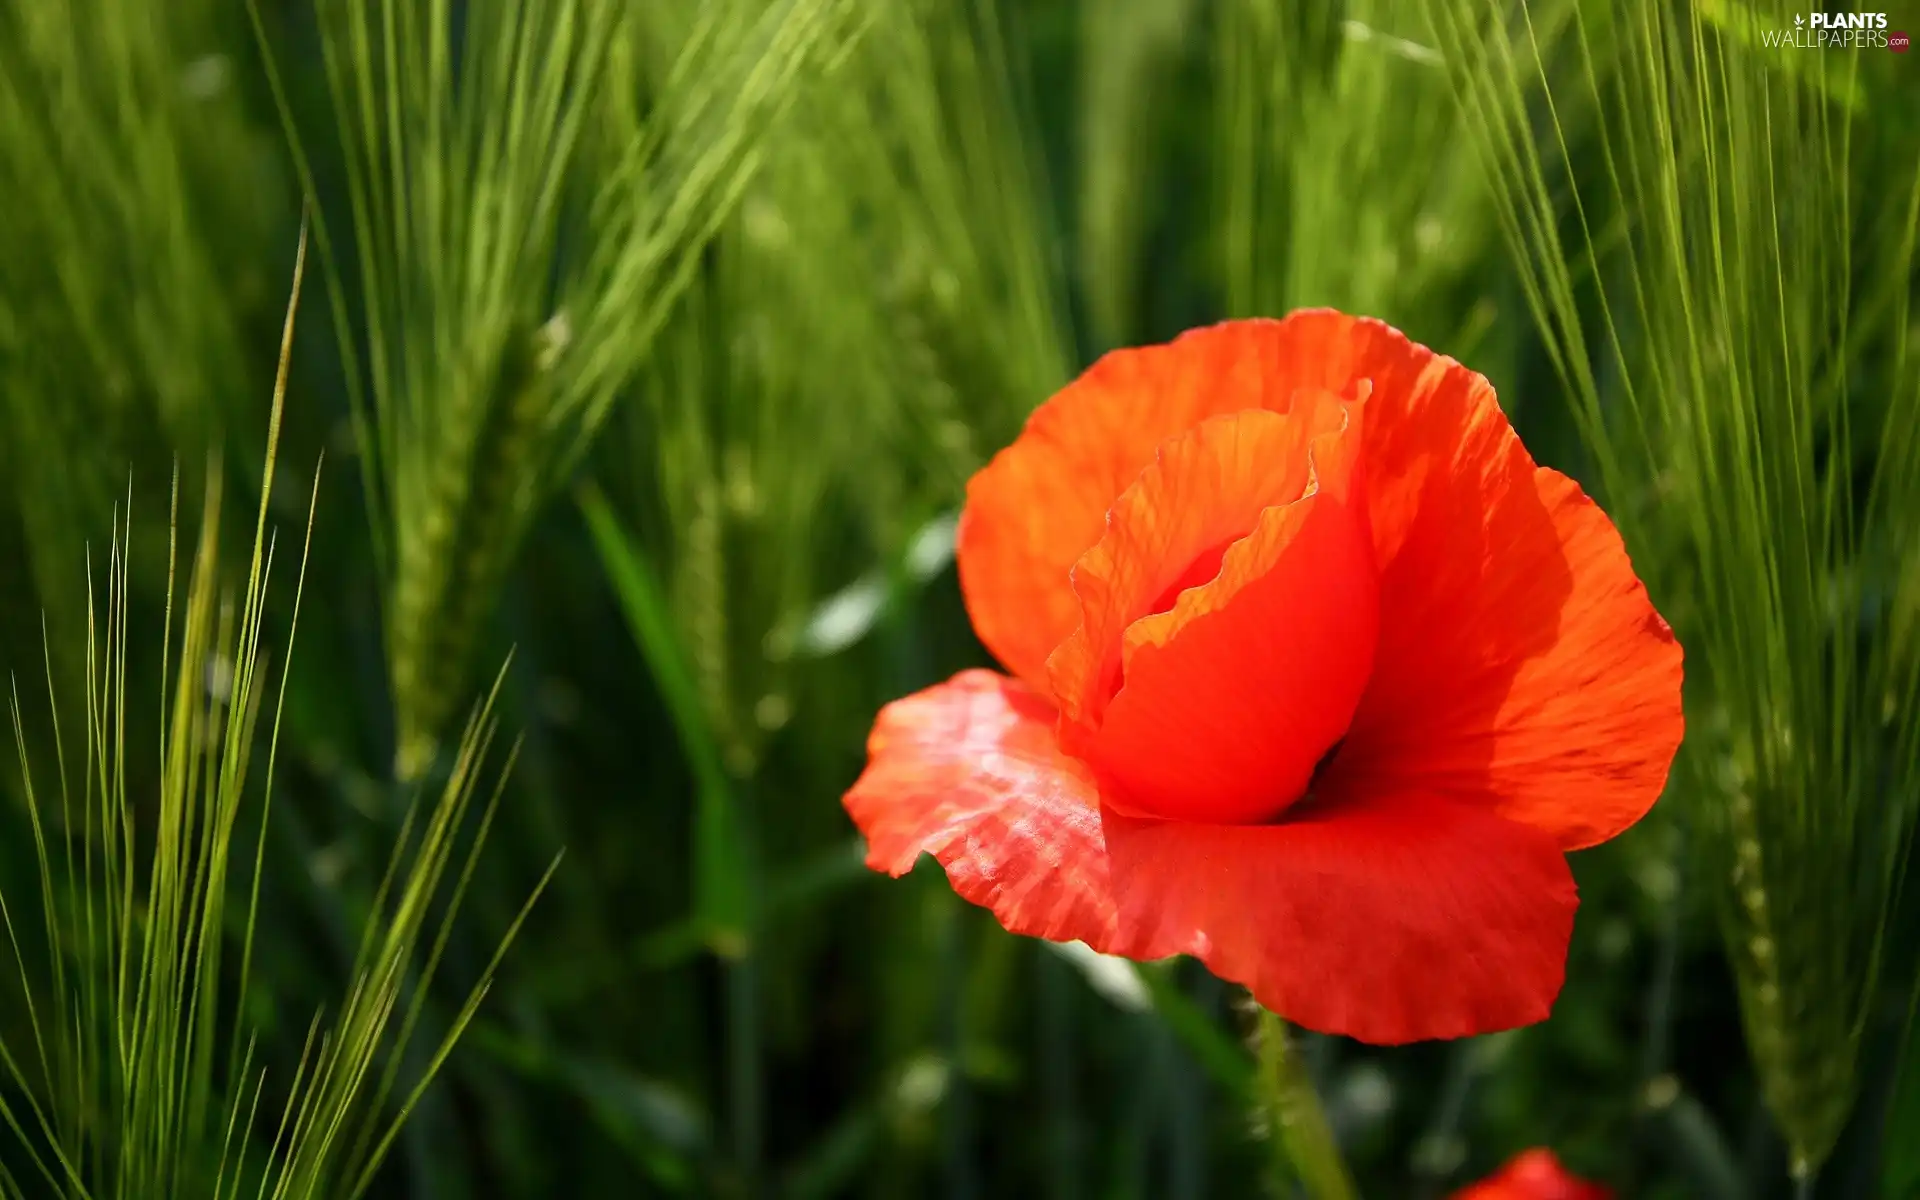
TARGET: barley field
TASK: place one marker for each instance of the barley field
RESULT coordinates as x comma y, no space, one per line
478,479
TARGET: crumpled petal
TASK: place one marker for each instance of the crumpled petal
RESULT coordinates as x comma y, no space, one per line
969,772
1216,704
1042,502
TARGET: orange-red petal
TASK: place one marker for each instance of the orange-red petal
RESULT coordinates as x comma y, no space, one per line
969,772
1042,502
1227,700
1389,919
1520,663
1533,1175
1204,490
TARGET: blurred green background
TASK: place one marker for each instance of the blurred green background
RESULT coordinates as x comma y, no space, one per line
654,341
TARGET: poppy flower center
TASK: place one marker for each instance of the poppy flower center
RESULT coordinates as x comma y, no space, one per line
1229,619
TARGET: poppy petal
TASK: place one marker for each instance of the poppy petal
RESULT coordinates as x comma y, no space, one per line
1520,662
1169,530
1229,697
1389,918
1042,502
968,771
1533,1175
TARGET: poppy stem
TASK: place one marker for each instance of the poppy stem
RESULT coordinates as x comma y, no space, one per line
1302,1139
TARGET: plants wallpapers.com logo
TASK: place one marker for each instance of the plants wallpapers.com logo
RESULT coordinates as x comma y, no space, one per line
1838,31
1843,21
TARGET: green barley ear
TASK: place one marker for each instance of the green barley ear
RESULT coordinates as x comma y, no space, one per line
124,1086
1314,106
135,213
879,295
883,291
489,353
926,164
1743,366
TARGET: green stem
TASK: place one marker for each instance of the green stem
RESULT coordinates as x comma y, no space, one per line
1297,1127
744,1066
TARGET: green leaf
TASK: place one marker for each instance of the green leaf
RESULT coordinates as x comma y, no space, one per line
722,900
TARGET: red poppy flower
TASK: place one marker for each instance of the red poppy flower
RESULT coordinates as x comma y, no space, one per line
1315,677
1533,1175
